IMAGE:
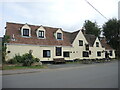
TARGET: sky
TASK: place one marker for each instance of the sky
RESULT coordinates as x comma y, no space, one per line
69,15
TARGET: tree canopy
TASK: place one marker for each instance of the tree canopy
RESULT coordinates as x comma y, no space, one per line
92,28
111,31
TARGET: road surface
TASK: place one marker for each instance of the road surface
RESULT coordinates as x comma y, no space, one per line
104,75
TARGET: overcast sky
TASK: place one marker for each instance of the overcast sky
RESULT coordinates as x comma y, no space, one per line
66,14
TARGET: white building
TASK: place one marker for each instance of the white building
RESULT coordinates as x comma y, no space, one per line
49,44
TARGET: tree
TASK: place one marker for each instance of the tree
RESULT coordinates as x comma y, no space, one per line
111,32
92,28
5,39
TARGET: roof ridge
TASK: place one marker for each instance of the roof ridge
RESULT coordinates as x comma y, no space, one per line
76,31
33,25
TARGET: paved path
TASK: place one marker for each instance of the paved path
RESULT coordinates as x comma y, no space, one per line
103,75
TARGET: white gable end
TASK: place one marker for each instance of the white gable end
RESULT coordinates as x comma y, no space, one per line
79,36
97,40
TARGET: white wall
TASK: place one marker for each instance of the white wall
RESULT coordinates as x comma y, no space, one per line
37,51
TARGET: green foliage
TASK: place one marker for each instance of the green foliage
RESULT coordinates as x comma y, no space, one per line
18,58
111,31
92,28
36,59
5,39
12,61
26,59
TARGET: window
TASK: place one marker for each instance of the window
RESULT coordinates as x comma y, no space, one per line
66,54
26,32
80,42
87,46
98,53
89,52
85,54
97,44
41,34
46,53
58,51
110,53
59,36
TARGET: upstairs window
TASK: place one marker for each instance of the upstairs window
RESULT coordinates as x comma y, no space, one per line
58,51
41,34
97,44
80,42
110,53
98,53
59,36
87,46
26,32
46,53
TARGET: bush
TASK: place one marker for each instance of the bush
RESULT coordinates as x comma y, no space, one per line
12,61
18,58
36,59
28,62
26,59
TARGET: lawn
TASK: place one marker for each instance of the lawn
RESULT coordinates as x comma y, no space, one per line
7,67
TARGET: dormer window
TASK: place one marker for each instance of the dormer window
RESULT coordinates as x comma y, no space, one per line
41,34
97,44
59,36
26,32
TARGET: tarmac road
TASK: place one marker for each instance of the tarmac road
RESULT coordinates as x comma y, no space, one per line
103,75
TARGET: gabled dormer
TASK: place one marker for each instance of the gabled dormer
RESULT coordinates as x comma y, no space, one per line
97,43
40,32
26,31
59,34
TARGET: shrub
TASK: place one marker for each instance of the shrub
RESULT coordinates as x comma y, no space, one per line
27,62
28,59
12,61
36,59
18,58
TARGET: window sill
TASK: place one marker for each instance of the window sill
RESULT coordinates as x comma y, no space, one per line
41,38
26,36
46,57
59,39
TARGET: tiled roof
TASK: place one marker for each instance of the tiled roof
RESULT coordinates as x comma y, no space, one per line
90,38
71,36
68,38
14,28
105,45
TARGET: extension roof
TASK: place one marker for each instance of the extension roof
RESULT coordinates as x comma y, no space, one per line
105,45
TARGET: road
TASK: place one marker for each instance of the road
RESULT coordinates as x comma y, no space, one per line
104,75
